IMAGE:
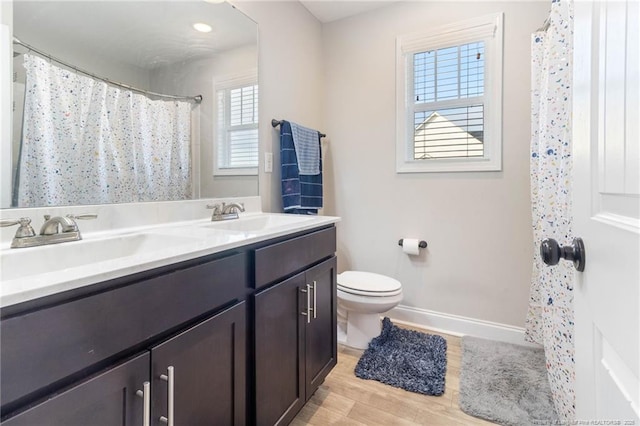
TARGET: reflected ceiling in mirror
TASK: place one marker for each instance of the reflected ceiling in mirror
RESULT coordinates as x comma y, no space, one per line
192,148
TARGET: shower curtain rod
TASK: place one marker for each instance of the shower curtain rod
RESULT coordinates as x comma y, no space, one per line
197,99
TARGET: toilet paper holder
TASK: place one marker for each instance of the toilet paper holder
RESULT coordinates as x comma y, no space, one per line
421,244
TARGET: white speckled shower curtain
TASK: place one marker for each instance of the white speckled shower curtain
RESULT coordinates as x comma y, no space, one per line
550,316
86,142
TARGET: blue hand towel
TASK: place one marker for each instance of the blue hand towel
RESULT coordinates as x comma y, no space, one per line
301,194
307,148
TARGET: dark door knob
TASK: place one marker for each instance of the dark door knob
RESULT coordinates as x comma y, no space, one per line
551,252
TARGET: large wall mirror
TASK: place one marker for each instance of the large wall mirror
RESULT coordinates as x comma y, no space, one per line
125,101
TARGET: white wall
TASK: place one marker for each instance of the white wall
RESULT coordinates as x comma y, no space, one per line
477,225
290,78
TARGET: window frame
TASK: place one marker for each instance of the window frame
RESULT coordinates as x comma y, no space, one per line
488,29
227,83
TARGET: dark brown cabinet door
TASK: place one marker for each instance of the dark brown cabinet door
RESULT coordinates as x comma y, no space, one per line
209,372
279,351
321,331
109,399
295,341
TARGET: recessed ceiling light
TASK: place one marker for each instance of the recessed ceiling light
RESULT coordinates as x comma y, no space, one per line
203,28
215,1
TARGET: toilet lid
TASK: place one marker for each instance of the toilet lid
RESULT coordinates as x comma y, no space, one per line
358,282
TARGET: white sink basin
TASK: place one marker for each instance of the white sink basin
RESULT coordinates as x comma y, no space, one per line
23,262
263,222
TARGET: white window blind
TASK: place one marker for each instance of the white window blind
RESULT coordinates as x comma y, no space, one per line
454,74
449,97
237,124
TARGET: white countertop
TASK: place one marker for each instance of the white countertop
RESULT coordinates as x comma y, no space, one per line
184,241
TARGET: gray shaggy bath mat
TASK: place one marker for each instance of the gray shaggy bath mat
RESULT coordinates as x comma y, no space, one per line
505,383
406,359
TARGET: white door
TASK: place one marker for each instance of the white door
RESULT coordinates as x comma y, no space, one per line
606,210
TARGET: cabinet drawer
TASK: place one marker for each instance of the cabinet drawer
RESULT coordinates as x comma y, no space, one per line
46,346
282,259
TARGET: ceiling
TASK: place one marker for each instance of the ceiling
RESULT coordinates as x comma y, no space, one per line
332,10
148,34
145,34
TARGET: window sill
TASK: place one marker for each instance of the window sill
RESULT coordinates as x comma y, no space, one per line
236,172
459,165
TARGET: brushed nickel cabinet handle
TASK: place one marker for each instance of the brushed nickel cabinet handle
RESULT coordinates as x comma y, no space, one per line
308,310
308,303
169,378
315,284
145,394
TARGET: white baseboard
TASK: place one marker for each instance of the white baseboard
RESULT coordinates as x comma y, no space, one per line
457,325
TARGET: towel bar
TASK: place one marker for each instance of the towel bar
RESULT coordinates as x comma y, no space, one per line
276,123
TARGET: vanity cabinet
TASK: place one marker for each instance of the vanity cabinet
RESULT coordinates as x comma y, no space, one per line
239,337
179,316
295,330
208,378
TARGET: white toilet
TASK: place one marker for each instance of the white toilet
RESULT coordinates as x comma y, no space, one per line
362,297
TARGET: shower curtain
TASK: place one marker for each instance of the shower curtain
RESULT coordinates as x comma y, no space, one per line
550,315
86,142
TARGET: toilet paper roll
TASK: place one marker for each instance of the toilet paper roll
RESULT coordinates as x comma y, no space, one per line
411,246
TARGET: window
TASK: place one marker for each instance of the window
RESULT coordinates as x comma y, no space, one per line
449,97
236,150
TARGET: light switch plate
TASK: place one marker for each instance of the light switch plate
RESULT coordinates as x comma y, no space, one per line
268,162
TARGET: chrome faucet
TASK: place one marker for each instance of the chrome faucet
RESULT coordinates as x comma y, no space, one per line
225,211
232,208
58,225
58,229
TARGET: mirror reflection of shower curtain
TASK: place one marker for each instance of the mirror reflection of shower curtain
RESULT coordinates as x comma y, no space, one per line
550,315
86,142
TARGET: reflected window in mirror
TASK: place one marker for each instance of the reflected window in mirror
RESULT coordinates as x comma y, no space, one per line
237,126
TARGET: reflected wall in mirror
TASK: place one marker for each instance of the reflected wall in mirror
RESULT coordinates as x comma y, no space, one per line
80,138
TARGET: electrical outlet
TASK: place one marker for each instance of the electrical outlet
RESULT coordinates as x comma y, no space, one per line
268,162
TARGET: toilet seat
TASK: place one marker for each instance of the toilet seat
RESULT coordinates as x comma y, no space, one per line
362,298
368,284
